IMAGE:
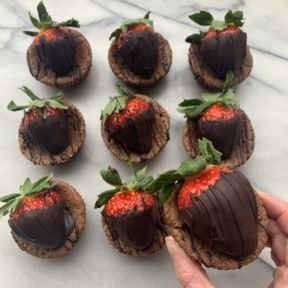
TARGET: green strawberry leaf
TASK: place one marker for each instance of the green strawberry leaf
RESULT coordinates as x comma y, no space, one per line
56,104
104,197
193,108
191,167
143,183
202,18
9,197
42,13
147,15
208,152
29,93
236,18
219,25
165,193
196,37
40,185
6,208
26,186
69,23
30,33
13,107
111,176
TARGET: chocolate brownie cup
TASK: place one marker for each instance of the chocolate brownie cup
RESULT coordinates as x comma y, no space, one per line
138,55
52,130
58,56
212,211
221,49
134,127
131,217
218,117
47,217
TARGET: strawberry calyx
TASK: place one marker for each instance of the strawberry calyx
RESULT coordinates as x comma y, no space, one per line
131,25
195,185
39,107
123,202
45,22
133,108
232,22
227,107
28,193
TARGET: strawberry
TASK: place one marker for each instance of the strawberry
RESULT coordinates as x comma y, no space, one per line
38,214
219,112
131,214
138,45
45,122
223,46
131,124
54,44
216,204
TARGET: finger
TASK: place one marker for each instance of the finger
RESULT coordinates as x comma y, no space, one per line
274,229
286,253
281,277
274,258
189,272
277,209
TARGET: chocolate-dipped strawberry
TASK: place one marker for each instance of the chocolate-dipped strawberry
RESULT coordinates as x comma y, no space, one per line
131,217
218,117
221,49
129,121
55,47
222,218
41,219
140,50
46,126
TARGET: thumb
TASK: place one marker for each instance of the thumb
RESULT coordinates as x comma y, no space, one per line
189,272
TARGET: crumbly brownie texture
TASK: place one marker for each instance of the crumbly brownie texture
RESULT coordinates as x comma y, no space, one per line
241,153
77,134
76,206
158,243
83,63
121,70
206,77
160,136
199,251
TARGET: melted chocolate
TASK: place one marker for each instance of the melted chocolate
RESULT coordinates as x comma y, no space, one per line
136,229
58,54
224,134
46,228
225,216
224,53
51,134
140,52
136,134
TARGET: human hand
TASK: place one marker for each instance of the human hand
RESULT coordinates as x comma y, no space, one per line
277,211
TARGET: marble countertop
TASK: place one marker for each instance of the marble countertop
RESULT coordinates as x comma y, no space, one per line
264,97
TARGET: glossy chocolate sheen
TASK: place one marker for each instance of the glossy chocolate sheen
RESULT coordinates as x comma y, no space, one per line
140,52
224,134
46,228
225,216
59,54
51,134
136,134
225,52
136,229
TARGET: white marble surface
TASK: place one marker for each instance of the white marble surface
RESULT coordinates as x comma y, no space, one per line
264,96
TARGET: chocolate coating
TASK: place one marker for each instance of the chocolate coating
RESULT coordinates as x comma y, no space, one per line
46,228
136,228
51,134
136,134
224,134
140,52
225,216
225,52
58,54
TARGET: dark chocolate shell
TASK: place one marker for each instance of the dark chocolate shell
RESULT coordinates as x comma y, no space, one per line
140,236
136,133
160,136
74,222
140,52
41,156
199,250
224,52
224,217
136,228
57,54
42,70
50,134
206,77
224,134
241,152
122,71
44,228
